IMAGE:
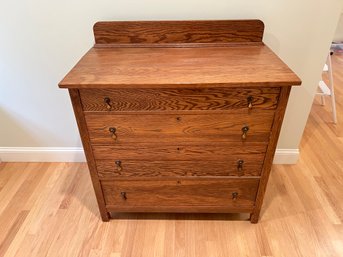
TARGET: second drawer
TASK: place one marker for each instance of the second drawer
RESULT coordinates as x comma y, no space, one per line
226,127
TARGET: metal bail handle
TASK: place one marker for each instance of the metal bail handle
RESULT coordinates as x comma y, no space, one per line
234,196
118,165
113,132
107,102
245,130
240,167
250,99
123,195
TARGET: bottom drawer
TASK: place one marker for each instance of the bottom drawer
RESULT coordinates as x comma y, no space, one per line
181,195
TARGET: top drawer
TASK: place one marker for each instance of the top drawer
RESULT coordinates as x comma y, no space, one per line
98,100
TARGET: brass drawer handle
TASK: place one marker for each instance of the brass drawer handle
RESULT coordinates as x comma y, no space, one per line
118,165
250,99
234,196
245,130
113,132
240,167
107,102
123,195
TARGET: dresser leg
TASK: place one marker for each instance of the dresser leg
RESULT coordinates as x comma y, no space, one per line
254,217
105,216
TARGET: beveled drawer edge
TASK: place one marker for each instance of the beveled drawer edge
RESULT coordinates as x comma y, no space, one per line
197,178
182,209
183,112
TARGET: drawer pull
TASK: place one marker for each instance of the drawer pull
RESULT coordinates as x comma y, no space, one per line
107,102
240,167
118,165
250,100
113,132
234,196
123,195
245,130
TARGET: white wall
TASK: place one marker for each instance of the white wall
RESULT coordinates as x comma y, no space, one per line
42,40
339,30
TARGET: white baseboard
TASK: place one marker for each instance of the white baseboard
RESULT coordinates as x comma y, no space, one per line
42,154
75,154
286,156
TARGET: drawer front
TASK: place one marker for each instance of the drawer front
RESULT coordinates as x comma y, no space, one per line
182,127
136,194
178,99
176,152
235,165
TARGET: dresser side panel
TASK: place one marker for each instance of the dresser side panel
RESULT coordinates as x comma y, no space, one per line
81,122
275,132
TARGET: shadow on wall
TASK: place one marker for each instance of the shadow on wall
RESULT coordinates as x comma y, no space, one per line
338,37
270,40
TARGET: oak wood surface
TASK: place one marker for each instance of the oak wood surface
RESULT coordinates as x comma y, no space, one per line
229,208
181,192
252,166
75,99
181,151
115,79
235,66
275,132
179,128
181,99
178,32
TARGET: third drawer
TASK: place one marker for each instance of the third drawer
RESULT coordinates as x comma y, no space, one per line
234,165
177,151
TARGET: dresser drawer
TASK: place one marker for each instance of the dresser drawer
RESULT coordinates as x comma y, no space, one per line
179,127
234,165
136,195
176,152
178,99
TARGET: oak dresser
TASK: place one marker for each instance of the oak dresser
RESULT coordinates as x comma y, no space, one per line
179,116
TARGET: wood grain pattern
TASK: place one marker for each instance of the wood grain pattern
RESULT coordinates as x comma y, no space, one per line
179,128
174,93
180,192
180,68
178,32
275,132
116,210
12,232
181,99
181,151
252,166
75,99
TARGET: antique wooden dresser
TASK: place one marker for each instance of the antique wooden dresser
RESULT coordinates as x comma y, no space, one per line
179,116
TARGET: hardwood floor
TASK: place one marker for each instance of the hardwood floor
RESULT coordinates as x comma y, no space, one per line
49,209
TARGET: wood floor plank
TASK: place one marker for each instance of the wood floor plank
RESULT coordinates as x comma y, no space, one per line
12,231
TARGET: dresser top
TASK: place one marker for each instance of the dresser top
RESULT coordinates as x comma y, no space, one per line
179,54
255,65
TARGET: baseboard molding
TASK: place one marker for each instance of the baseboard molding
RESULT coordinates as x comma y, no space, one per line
286,156
75,154
42,154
